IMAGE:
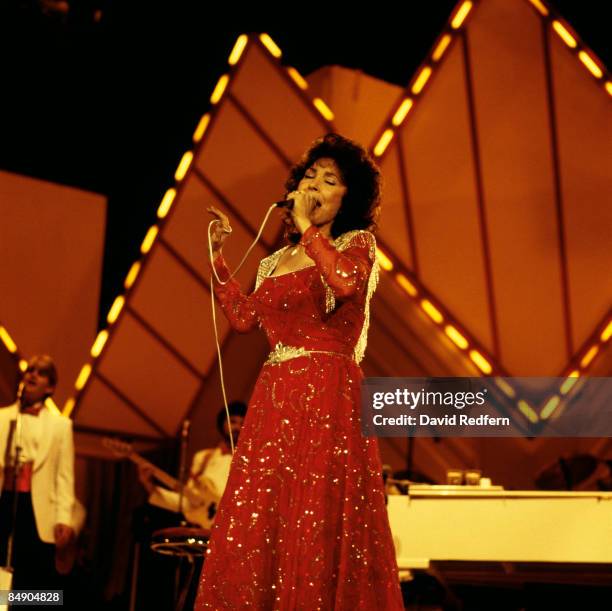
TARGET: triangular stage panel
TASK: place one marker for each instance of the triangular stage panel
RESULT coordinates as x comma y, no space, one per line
51,247
504,139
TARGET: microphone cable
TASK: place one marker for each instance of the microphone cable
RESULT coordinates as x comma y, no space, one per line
214,276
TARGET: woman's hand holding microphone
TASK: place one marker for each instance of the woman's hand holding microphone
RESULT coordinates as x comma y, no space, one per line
304,204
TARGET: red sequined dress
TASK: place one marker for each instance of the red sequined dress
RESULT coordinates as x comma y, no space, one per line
303,522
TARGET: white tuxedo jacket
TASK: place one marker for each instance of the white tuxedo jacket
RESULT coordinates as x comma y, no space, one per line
52,472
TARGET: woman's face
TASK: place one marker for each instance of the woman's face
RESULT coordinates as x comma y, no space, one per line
324,181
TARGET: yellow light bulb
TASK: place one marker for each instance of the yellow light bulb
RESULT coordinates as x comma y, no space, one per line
406,285
505,387
564,34
607,332
50,403
461,14
383,143
590,64
550,407
383,260
145,247
569,382
68,407
421,80
298,79
540,7
115,309
219,89
132,275
98,345
7,340
238,49
589,356
456,337
166,202
183,166
269,44
83,376
402,111
481,362
201,128
431,311
323,108
528,411
441,47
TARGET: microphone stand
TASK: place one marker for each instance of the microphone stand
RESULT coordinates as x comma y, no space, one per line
181,593
16,473
8,569
183,465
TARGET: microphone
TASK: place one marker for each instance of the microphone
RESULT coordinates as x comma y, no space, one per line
285,203
20,390
185,429
288,203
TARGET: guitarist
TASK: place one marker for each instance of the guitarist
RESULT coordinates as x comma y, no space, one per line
209,467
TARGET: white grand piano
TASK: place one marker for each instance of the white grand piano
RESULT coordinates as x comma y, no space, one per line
493,534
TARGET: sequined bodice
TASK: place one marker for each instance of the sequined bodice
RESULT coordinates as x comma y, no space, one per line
292,310
321,307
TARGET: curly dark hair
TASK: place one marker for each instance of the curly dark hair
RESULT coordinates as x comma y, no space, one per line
361,204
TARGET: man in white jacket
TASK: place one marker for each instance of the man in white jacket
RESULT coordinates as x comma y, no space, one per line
42,485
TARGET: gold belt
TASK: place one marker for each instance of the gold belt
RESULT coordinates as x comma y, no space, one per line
283,353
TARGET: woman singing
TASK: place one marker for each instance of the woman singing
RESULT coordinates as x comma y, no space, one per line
303,523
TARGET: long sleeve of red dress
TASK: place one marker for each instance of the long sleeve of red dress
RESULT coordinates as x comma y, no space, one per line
238,307
345,271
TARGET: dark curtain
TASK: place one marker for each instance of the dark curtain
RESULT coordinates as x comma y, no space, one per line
118,518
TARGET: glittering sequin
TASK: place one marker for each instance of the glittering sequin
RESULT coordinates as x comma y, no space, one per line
302,524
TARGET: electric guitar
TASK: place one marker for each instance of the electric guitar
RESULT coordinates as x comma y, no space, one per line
200,500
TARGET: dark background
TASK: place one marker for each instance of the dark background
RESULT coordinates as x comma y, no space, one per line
106,96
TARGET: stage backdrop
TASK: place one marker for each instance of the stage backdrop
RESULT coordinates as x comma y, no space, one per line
51,245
